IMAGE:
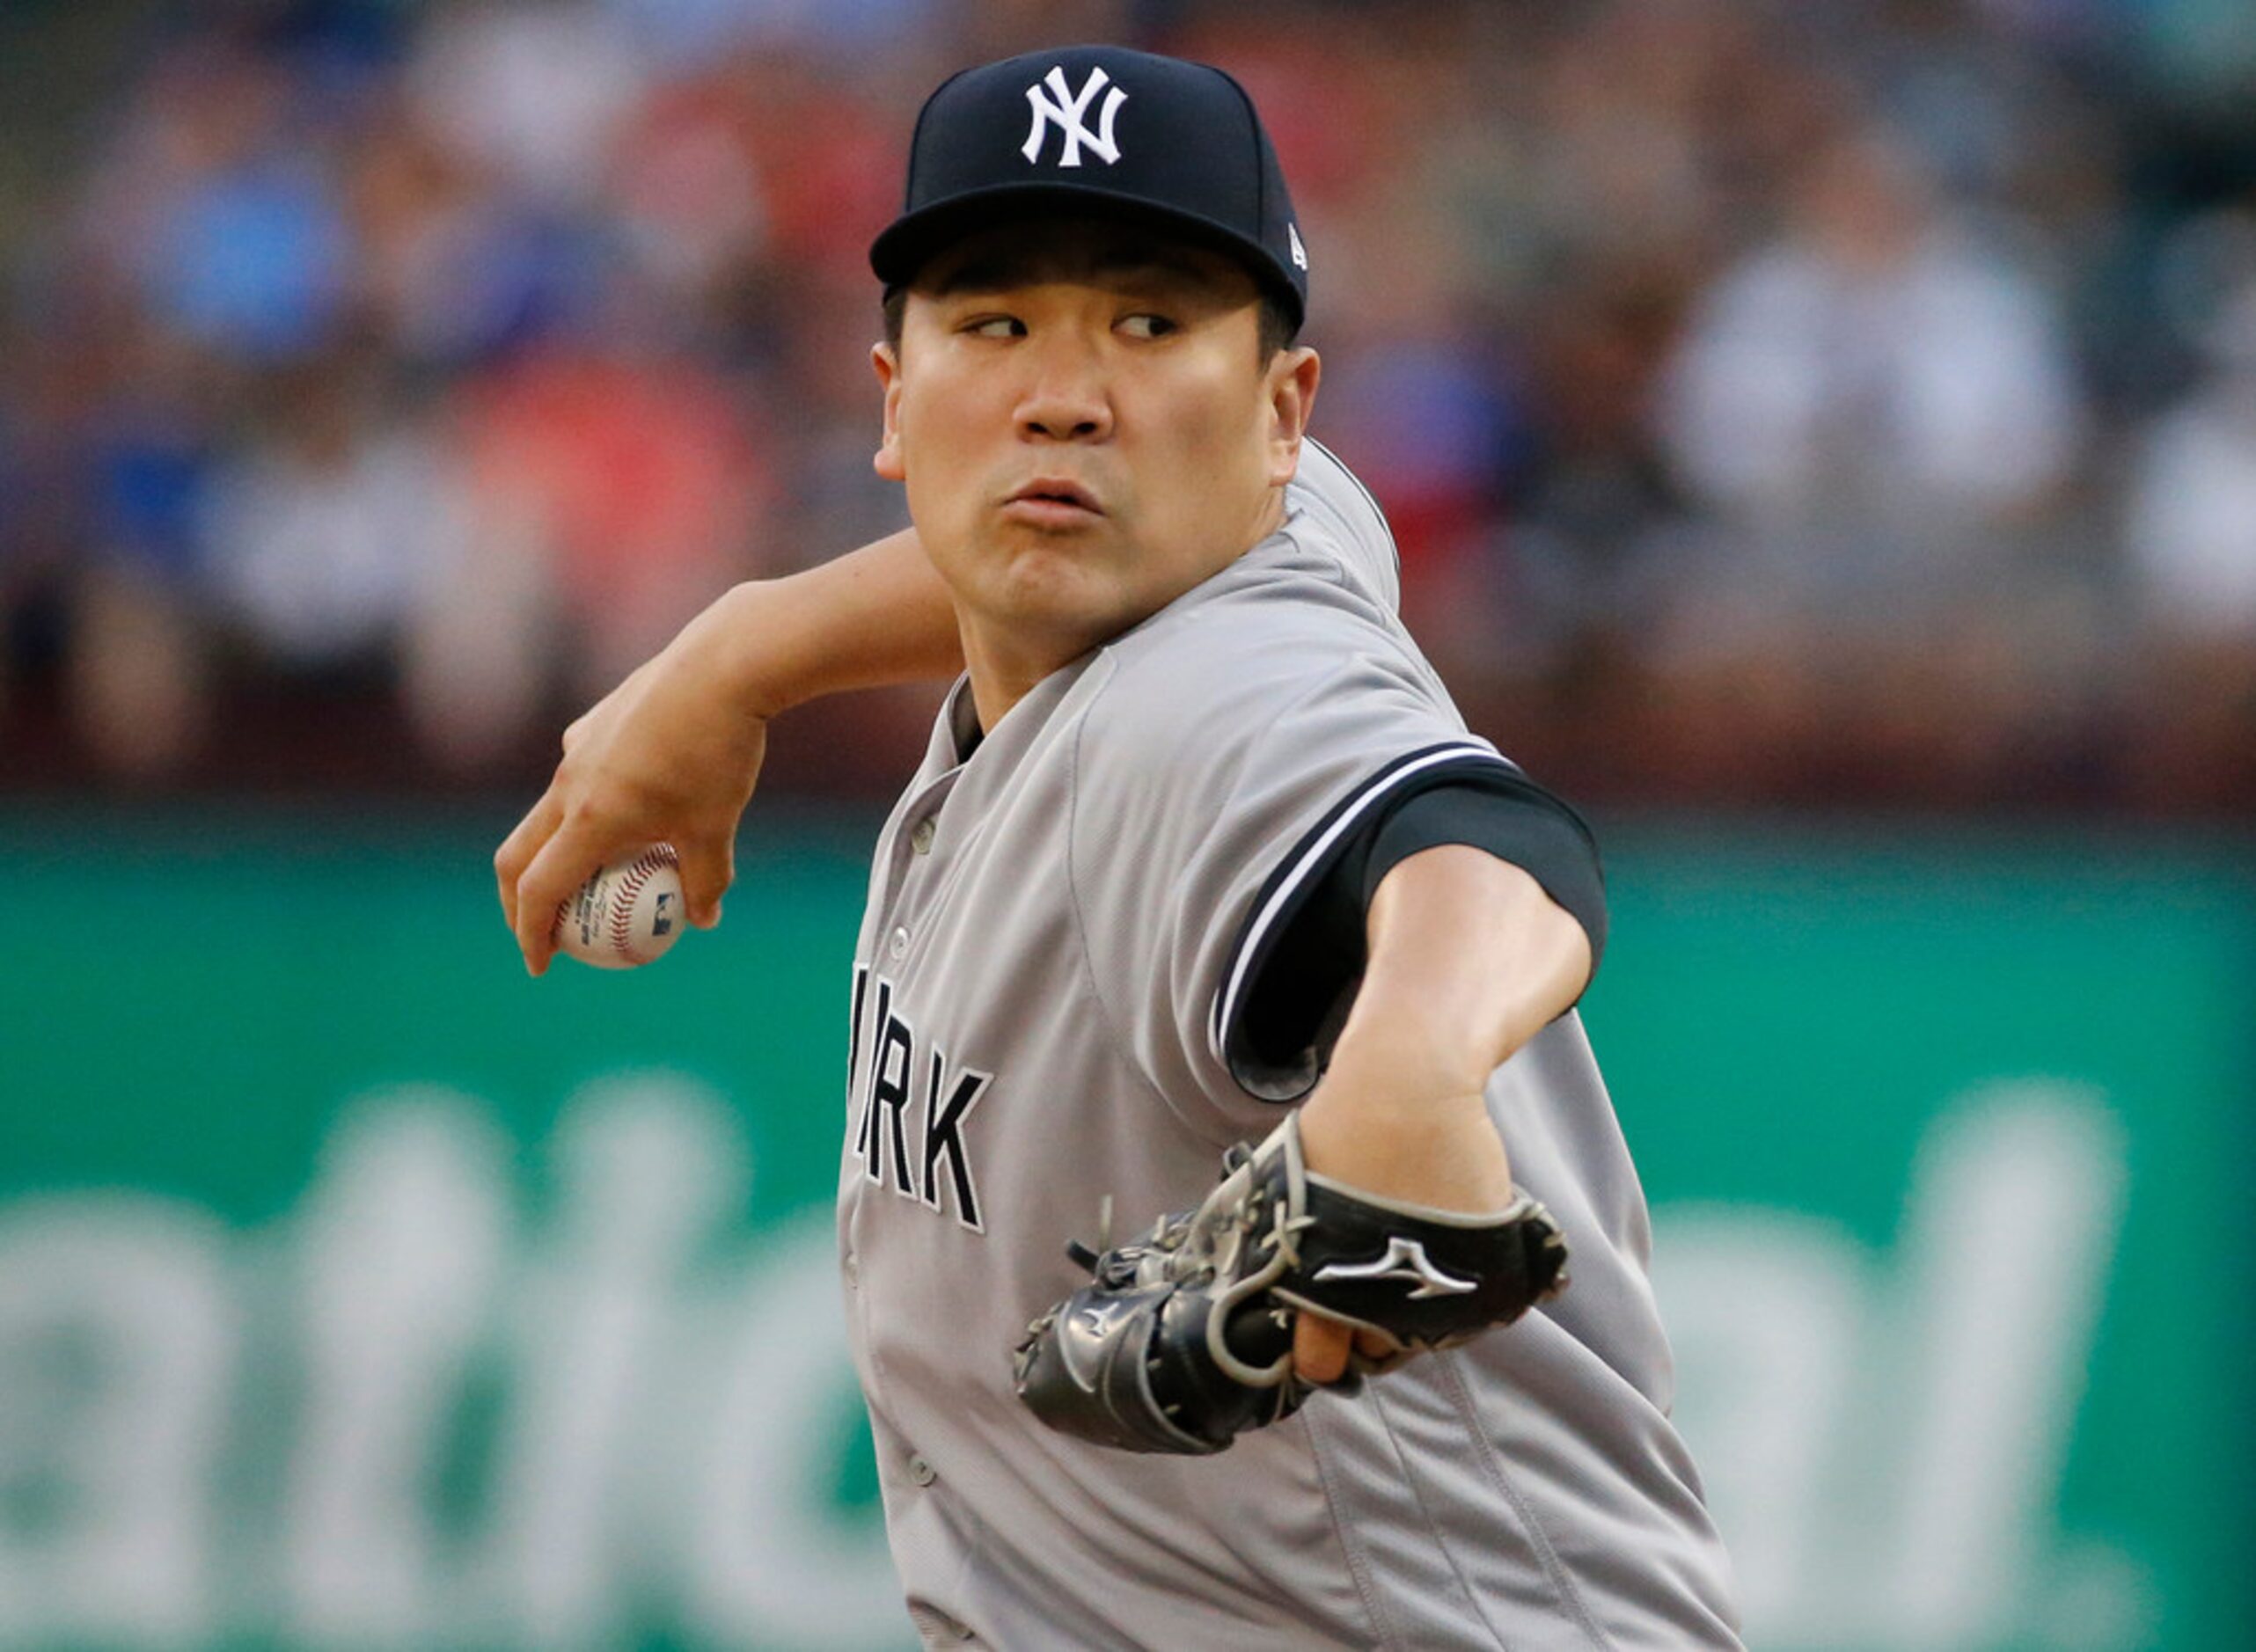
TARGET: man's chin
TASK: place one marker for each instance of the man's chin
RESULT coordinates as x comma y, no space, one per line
1059,604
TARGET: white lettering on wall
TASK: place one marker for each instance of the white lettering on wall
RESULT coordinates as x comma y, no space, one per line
117,1334
665,1396
399,1250
1883,1444
645,1169
2003,1262
768,1560
1766,1309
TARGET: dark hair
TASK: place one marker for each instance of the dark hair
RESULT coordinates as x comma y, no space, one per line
1275,326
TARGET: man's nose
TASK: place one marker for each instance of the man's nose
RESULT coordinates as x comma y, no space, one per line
1067,400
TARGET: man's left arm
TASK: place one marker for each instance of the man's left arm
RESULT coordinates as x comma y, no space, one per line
1424,925
1467,958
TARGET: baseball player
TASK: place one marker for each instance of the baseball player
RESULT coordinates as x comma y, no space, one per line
1219,1135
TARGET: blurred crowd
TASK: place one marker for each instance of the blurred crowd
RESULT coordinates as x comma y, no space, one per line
1776,401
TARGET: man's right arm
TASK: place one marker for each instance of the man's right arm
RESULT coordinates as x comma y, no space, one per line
672,754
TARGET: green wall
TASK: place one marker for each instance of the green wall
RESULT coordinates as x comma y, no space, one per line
356,1289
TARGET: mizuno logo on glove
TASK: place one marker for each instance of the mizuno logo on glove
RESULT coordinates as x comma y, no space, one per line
1405,1260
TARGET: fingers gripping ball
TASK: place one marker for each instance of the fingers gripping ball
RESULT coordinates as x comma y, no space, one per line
1184,1338
627,914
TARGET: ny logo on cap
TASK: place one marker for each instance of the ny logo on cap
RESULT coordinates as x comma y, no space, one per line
1064,109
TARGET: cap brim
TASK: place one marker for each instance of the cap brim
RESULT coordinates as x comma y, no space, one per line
910,241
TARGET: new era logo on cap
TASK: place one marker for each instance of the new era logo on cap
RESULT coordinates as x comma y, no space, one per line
1055,105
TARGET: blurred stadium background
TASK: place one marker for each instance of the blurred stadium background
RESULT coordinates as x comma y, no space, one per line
1821,437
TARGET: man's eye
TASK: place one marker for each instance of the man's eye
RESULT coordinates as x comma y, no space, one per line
1148,326
995,328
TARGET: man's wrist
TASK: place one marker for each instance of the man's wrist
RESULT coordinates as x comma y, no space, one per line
752,668
1438,1151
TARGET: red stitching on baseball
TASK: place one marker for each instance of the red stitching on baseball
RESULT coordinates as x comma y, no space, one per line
622,904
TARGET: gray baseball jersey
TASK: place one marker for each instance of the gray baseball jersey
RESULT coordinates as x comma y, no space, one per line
1063,932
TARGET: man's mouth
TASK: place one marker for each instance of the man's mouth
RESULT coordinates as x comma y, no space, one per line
1051,498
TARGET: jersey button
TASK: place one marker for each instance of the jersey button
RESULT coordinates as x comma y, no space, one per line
852,1268
921,834
898,947
921,1471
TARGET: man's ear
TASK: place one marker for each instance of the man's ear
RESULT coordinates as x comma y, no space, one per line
1292,380
888,460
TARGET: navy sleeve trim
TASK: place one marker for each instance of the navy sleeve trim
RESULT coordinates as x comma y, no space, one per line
1300,958
1312,856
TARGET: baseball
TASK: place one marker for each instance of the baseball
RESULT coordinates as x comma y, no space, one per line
627,914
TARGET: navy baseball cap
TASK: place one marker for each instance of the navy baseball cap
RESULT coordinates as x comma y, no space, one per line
1106,132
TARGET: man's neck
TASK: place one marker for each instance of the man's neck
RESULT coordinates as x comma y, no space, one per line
1004,671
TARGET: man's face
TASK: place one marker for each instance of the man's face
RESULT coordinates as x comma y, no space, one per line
1086,427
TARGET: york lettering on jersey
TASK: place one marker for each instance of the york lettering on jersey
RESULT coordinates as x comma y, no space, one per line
911,1115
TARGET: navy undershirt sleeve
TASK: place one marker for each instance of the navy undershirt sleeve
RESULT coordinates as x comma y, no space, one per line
1299,997
1514,820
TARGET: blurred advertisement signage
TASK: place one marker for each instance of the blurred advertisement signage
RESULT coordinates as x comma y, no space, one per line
356,1291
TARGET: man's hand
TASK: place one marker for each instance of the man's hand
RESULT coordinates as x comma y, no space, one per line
672,754
1183,1339
669,756
1440,1152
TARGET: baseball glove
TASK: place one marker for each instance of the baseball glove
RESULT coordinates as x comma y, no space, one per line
1183,1339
